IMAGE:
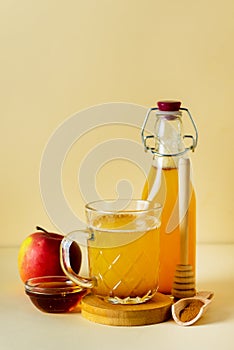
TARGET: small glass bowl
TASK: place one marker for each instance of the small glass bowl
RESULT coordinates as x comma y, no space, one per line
54,294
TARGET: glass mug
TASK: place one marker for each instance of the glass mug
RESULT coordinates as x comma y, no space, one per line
122,239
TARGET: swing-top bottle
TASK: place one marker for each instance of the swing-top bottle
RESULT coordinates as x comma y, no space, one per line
168,146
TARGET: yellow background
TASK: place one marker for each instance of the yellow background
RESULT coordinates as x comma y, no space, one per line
59,57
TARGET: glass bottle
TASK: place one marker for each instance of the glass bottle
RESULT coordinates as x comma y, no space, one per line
162,185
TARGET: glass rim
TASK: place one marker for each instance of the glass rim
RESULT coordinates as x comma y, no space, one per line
151,206
34,285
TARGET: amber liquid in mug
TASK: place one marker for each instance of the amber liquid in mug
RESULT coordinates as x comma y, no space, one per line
124,255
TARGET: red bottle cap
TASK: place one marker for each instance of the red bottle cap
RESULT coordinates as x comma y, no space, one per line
169,106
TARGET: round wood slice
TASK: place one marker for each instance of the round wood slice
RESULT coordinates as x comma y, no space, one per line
158,309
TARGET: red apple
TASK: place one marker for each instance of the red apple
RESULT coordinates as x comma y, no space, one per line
39,255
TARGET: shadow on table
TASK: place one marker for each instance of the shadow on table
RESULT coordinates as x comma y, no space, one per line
222,305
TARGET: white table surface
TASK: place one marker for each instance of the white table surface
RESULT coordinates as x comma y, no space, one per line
22,326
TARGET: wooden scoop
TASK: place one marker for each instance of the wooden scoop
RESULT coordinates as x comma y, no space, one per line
184,279
193,313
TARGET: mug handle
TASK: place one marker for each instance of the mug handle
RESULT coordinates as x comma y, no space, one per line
65,262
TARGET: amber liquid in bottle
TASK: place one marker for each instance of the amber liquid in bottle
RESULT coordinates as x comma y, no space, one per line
162,186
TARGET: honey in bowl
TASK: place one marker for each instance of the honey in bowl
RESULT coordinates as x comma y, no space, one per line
54,294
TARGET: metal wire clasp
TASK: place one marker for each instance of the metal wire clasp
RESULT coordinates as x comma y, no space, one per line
145,138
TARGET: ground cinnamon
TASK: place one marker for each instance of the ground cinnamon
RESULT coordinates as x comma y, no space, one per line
191,310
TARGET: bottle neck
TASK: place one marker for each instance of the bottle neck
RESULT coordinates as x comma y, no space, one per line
168,131
168,139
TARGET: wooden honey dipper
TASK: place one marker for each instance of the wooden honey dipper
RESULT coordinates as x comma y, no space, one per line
184,279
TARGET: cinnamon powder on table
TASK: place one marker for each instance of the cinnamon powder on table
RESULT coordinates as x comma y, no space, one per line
191,310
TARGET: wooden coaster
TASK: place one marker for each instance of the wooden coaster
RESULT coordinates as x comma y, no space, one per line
157,310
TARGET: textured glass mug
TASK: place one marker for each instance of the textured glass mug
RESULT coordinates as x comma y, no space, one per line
122,239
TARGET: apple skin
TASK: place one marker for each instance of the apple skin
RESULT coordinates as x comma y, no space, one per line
39,255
